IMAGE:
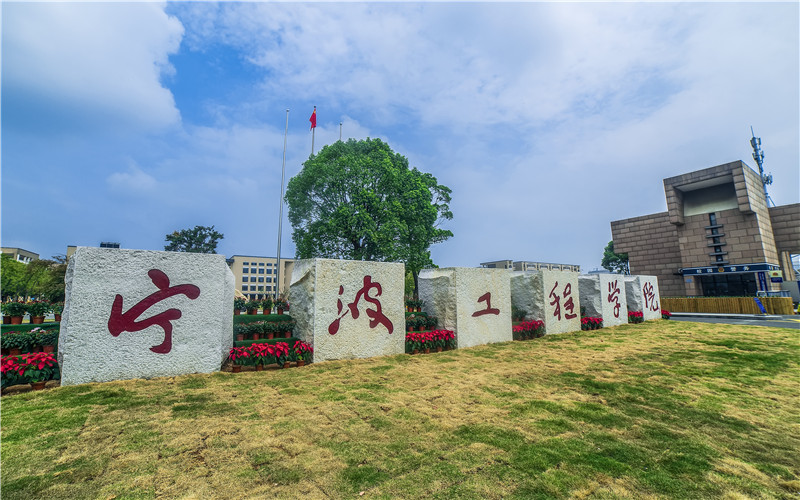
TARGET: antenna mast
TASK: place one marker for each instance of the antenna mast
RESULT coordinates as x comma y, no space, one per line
758,156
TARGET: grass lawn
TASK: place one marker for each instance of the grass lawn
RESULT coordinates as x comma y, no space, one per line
661,409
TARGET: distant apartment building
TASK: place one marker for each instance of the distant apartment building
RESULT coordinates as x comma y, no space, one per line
717,237
21,255
103,244
256,277
526,265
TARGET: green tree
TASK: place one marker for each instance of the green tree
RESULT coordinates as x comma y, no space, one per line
199,239
615,262
12,277
360,200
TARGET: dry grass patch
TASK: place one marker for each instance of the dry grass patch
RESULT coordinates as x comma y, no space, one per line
659,409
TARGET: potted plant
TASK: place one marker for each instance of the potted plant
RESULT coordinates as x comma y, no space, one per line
238,356
431,322
6,316
665,314
282,304
11,372
48,339
266,304
16,310
57,308
40,367
302,352
287,327
239,303
635,317
37,309
410,304
252,306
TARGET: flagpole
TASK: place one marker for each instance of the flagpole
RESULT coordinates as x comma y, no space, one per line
340,131
280,210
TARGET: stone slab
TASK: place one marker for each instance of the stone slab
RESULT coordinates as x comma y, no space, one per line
603,296
142,314
548,296
348,309
642,295
473,302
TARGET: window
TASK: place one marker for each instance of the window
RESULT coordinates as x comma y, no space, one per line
245,263
245,270
260,288
269,271
269,280
244,288
244,279
260,279
252,270
261,264
260,271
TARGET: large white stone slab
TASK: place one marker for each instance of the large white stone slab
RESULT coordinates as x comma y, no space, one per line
548,296
142,314
603,296
642,294
349,309
473,302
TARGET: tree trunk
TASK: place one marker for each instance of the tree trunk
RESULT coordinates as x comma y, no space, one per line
415,274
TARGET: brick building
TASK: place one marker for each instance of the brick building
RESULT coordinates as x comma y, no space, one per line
717,237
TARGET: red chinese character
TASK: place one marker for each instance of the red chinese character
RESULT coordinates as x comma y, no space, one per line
613,296
376,316
486,297
569,305
120,322
648,291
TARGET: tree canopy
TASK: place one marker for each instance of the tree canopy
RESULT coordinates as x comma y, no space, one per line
360,200
199,239
615,262
42,278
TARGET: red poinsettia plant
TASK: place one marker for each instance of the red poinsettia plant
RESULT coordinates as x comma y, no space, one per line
301,351
528,329
665,314
38,366
635,317
240,355
591,323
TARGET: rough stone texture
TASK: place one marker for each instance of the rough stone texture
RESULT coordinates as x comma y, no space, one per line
453,295
202,335
324,293
636,288
603,296
545,296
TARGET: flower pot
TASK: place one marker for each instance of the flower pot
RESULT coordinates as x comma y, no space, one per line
57,318
237,312
259,368
14,351
240,336
16,320
301,362
6,320
270,335
252,311
256,336
37,320
439,349
280,310
287,335
48,348
427,350
286,365
38,386
415,351
236,368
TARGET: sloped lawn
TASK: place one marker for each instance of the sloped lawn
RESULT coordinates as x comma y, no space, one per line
661,409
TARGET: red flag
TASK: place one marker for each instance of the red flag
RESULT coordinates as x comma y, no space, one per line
313,118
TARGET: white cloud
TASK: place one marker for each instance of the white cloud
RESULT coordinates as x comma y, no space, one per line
92,61
133,181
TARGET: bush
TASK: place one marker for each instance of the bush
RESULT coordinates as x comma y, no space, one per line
635,317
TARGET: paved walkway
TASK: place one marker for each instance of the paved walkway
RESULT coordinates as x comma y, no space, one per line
774,320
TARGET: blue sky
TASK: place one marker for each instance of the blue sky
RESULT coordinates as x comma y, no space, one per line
126,121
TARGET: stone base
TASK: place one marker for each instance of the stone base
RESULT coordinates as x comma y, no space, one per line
473,302
603,296
548,296
122,304
347,309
